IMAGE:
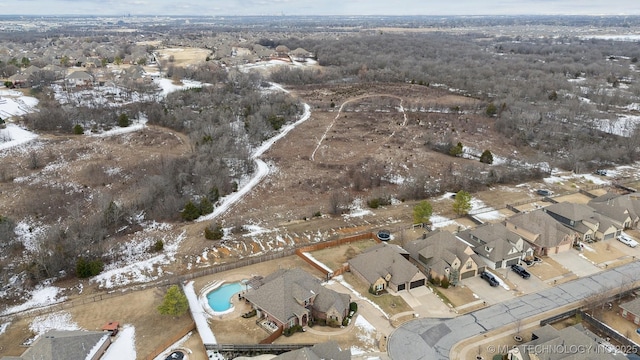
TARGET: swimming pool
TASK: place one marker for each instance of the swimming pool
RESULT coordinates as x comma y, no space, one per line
220,299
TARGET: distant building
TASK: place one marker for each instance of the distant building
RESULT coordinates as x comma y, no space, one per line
326,350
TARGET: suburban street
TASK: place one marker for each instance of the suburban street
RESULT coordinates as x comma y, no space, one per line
435,338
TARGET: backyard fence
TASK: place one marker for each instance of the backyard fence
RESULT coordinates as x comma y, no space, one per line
172,340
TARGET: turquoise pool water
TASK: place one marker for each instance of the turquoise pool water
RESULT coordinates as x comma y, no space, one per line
219,299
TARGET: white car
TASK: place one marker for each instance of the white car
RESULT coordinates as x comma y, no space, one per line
627,240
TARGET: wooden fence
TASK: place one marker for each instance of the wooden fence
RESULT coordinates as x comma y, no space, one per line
271,338
172,340
327,244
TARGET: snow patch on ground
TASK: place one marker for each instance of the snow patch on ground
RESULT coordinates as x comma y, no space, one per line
554,179
3,327
124,346
135,265
13,135
42,295
502,283
356,209
199,315
56,321
366,334
310,257
28,232
167,86
438,221
117,130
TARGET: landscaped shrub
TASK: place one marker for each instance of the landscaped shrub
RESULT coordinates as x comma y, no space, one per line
353,307
78,130
250,314
444,282
292,330
345,321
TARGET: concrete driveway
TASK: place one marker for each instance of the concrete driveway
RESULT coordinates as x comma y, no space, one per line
492,295
426,304
575,263
522,286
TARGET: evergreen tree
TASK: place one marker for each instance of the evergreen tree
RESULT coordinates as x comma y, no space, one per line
190,212
78,130
456,150
491,110
486,157
175,303
206,207
123,120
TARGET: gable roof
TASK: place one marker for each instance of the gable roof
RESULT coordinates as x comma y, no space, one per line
80,75
439,249
383,260
630,202
495,242
550,232
68,345
326,350
283,294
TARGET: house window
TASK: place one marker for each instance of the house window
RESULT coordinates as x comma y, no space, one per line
587,236
469,264
379,287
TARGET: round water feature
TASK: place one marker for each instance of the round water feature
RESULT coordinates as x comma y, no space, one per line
219,299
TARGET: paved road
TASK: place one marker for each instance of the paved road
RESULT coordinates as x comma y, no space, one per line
434,338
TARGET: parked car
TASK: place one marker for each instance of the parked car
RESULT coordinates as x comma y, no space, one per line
520,271
544,192
627,240
490,278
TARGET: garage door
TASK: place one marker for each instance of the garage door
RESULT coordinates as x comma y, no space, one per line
415,284
609,236
401,287
468,274
512,262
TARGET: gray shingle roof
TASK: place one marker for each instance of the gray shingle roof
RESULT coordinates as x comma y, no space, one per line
321,351
551,233
68,345
283,293
632,306
381,261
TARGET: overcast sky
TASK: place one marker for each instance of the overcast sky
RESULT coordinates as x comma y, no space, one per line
318,7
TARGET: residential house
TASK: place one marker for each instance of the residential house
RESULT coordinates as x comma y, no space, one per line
631,310
300,55
547,338
440,254
629,202
79,78
294,297
498,247
58,71
19,80
382,266
326,350
585,221
541,231
68,345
